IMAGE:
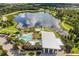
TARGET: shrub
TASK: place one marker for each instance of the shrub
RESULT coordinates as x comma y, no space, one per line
38,53
31,53
37,43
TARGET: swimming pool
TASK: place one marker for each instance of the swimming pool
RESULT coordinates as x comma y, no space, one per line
26,37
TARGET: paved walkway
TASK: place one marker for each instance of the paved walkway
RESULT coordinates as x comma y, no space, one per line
60,53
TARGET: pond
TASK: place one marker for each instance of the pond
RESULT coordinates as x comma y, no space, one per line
38,19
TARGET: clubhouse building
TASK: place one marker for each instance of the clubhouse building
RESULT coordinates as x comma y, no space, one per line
49,44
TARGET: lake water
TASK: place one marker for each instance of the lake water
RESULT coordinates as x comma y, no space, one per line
39,19
36,19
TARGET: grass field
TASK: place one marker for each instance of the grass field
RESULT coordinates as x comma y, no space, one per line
75,50
66,26
9,30
52,30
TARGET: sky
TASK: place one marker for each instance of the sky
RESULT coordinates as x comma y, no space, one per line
39,1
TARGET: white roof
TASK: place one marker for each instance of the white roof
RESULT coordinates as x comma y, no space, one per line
59,41
49,40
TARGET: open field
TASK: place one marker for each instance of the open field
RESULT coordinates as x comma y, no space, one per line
66,26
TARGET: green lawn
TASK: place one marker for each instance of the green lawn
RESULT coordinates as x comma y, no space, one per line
52,30
75,50
10,29
66,26
53,13
10,17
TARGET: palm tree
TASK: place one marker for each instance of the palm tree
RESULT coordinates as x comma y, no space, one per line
37,43
16,46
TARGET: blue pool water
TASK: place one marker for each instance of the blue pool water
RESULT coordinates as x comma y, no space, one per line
21,20
26,37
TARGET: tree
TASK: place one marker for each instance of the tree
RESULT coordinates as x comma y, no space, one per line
38,53
31,53
37,43
15,46
2,52
68,48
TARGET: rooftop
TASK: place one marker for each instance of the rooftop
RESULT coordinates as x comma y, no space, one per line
50,41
